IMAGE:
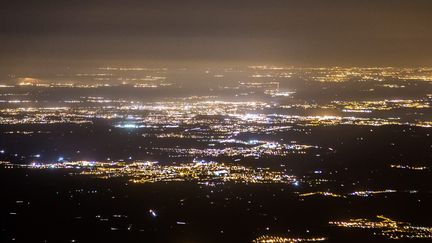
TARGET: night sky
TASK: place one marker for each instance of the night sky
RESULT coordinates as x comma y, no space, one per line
35,34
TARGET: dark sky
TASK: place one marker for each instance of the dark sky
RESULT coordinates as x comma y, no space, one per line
292,32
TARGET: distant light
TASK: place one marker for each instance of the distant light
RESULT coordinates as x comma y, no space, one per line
35,165
153,213
60,159
129,126
171,126
2,151
271,145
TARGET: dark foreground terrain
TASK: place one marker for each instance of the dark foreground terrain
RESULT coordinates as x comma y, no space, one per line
58,205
